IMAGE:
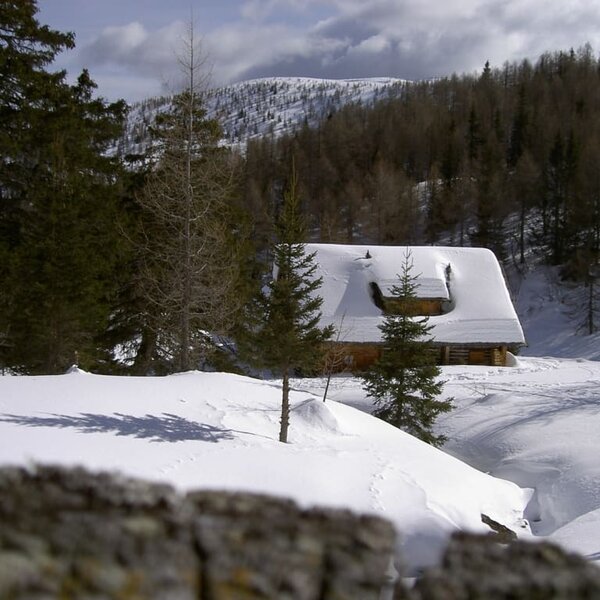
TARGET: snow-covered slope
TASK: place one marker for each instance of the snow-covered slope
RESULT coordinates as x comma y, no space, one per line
553,314
212,430
270,106
535,424
276,105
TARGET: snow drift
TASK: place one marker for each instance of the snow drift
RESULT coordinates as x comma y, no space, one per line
220,431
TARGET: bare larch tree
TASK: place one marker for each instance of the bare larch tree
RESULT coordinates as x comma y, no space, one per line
190,265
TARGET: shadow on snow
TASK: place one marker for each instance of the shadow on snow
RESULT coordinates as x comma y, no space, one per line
163,428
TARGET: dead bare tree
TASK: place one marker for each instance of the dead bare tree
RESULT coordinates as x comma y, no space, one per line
336,357
189,268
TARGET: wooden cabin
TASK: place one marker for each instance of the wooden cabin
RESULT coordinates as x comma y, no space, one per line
461,290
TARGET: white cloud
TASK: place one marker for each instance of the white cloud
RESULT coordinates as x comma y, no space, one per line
262,9
237,50
129,55
373,45
355,38
136,47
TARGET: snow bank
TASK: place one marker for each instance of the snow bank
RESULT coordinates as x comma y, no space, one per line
219,431
537,425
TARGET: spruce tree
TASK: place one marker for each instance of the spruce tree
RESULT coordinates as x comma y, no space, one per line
284,335
403,382
59,196
26,49
68,251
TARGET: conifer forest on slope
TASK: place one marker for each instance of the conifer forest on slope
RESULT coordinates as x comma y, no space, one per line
505,158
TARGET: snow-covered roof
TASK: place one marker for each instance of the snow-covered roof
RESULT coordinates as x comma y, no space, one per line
481,311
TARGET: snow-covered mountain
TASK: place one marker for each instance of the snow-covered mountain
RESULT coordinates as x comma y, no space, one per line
269,106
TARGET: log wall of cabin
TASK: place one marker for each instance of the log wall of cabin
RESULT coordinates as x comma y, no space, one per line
472,355
351,357
356,357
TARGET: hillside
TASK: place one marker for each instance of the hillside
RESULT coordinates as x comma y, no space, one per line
505,160
262,107
554,314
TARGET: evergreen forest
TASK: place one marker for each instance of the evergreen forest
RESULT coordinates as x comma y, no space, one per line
505,159
92,263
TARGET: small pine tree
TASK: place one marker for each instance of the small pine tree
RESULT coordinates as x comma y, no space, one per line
283,333
403,382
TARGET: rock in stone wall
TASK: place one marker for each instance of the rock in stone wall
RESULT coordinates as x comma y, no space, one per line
479,568
66,533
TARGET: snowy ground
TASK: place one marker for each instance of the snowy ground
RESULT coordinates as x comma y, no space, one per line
535,424
523,441
212,430
554,317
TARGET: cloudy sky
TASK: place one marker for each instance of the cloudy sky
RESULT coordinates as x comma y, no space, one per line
129,46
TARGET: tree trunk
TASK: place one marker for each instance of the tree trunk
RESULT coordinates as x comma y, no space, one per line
285,407
522,233
327,385
590,315
146,351
189,195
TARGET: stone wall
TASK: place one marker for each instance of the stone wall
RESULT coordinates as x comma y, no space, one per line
66,533
71,534
478,568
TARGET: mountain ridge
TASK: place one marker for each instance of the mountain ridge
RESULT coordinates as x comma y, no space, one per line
270,106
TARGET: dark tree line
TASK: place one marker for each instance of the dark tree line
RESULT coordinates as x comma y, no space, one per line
155,256
58,200
114,263
509,155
